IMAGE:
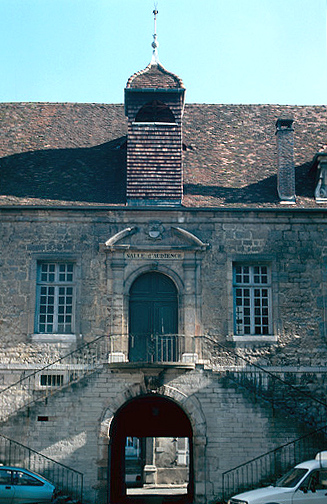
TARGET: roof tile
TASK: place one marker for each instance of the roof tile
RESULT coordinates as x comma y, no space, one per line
75,154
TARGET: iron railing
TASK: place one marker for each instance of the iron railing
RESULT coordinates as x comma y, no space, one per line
267,468
172,348
66,480
281,394
168,348
287,395
155,348
48,380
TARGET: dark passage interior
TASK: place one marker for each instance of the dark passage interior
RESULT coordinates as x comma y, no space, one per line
151,453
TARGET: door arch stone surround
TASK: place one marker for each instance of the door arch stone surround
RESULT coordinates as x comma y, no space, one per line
191,407
177,253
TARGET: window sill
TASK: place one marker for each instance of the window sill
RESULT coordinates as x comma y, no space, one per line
53,338
253,339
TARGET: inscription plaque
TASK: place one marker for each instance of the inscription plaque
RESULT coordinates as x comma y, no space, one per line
154,255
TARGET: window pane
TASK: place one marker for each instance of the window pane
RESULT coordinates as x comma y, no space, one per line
252,302
23,479
55,298
66,272
5,477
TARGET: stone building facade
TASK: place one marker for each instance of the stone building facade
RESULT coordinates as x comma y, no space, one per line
147,264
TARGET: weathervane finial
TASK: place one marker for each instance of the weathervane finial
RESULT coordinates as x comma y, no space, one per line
155,43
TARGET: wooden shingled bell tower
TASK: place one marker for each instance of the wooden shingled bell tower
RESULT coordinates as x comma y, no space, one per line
154,102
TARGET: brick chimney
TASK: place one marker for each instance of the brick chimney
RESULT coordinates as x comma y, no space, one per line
285,157
154,102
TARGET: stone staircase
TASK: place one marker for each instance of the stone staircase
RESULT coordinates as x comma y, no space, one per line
285,391
45,381
272,387
283,388
37,387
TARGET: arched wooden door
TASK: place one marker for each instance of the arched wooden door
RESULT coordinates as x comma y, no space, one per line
153,319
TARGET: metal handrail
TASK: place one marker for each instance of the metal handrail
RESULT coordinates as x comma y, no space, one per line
161,348
24,392
155,348
60,359
65,478
70,368
271,387
263,383
75,365
264,469
88,357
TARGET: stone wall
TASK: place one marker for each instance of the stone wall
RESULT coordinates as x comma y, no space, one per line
228,429
292,243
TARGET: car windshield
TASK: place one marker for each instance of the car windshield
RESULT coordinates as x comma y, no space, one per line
291,479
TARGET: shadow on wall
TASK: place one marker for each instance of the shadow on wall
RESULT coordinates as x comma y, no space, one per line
92,175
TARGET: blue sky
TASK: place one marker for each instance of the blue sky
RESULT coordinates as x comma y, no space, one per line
226,51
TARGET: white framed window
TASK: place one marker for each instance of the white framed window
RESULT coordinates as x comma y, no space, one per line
252,300
55,300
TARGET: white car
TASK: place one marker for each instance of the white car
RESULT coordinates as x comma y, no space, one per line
20,486
305,483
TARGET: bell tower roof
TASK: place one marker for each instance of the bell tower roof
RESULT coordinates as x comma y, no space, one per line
154,76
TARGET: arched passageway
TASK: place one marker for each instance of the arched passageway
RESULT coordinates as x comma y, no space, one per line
149,418
153,319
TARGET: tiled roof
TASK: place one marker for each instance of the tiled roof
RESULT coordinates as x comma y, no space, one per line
75,154
154,76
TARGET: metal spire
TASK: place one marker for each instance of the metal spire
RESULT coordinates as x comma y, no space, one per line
155,43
